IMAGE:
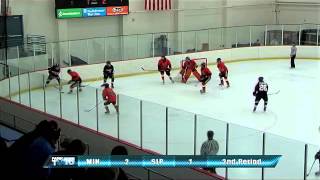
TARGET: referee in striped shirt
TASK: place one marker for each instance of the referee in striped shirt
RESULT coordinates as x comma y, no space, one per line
210,147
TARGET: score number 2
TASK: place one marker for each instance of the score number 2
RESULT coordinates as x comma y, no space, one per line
190,161
126,161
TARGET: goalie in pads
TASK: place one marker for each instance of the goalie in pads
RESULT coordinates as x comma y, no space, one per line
188,67
109,97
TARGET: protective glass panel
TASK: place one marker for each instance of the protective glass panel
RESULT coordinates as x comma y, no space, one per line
175,43
244,141
129,119
180,132
202,38
96,49
130,45
145,46
154,127
258,35
292,156
274,35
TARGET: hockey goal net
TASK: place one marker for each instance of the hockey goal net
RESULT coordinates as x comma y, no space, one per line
198,61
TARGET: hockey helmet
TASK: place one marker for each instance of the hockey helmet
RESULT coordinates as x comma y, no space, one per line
260,79
218,59
203,64
69,71
106,85
108,62
188,58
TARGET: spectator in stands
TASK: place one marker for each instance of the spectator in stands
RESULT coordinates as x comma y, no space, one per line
274,42
64,143
109,173
257,43
23,142
120,150
3,153
17,150
3,147
210,147
39,151
75,147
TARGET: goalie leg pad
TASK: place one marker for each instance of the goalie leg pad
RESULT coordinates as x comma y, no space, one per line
196,74
187,75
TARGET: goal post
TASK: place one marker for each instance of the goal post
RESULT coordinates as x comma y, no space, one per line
198,62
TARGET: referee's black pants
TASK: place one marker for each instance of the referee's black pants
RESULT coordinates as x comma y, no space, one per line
292,61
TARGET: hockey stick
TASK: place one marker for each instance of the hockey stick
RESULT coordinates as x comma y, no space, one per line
311,167
88,110
85,85
59,89
151,70
277,92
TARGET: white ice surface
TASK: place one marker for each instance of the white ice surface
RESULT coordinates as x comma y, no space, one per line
293,113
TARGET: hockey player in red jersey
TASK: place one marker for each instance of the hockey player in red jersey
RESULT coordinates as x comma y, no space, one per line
75,80
109,97
223,72
205,77
188,67
164,65
261,92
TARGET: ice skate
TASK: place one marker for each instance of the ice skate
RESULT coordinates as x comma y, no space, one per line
228,84
107,110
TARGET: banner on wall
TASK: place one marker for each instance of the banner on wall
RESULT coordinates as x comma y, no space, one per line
69,13
91,12
117,10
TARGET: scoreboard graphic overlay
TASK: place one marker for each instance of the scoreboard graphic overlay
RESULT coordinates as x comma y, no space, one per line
231,161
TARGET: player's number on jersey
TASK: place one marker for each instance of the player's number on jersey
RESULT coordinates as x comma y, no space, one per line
263,87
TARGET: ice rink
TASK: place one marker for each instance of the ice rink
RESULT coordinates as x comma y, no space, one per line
292,113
